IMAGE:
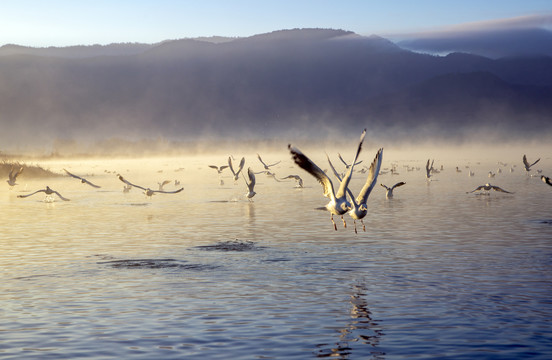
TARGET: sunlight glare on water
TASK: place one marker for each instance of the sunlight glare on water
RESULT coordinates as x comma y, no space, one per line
207,273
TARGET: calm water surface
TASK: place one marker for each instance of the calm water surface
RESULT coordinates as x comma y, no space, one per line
207,274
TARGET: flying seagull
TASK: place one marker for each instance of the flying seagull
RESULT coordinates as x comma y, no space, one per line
343,161
250,184
488,187
236,173
338,204
297,178
162,184
149,192
267,167
527,165
12,176
389,192
218,168
546,180
83,180
360,207
429,169
47,191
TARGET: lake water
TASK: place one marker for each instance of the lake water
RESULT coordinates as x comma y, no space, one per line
207,274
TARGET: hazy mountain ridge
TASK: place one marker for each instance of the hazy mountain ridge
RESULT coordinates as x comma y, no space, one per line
276,83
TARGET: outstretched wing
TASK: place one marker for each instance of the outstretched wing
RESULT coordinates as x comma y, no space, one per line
261,160
343,161
129,183
398,184
525,161
347,178
306,164
372,178
214,167
242,163
89,183
476,189
59,195
72,175
496,188
386,188
276,163
165,192
535,162
31,194
230,165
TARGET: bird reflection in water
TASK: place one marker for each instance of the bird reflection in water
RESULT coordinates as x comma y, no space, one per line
360,329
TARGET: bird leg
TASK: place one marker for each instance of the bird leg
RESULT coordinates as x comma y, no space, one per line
333,222
354,222
344,223
363,227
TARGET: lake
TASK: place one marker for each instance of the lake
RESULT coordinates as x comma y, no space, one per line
205,273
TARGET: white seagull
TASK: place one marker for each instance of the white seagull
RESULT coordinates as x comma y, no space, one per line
338,204
47,191
267,167
389,192
83,180
297,179
360,207
546,180
527,165
250,184
218,168
236,173
12,176
149,192
488,187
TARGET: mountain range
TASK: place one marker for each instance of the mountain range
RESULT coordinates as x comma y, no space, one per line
284,83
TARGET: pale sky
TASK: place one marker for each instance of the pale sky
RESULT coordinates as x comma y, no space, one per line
42,23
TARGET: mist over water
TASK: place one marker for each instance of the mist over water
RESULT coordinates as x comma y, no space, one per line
206,273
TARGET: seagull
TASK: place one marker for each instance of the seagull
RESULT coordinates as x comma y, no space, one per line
488,187
127,188
218,168
546,180
527,165
236,173
389,193
429,169
360,207
47,191
267,167
338,204
297,178
13,176
149,192
250,184
491,174
83,180
347,166
162,184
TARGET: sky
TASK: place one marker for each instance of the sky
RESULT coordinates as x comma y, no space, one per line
40,23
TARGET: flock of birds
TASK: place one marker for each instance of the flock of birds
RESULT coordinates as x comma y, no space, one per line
341,198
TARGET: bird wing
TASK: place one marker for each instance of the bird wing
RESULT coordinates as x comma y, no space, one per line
93,185
306,164
476,189
214,167
398,184
61,197
529,165
496,188
72,175
347,178
165,192
371,179
339,178
31,194
261,160
276,163
165,182
386,188
343,161
242,163
223,167
251,176
230,165
21,170
131,184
